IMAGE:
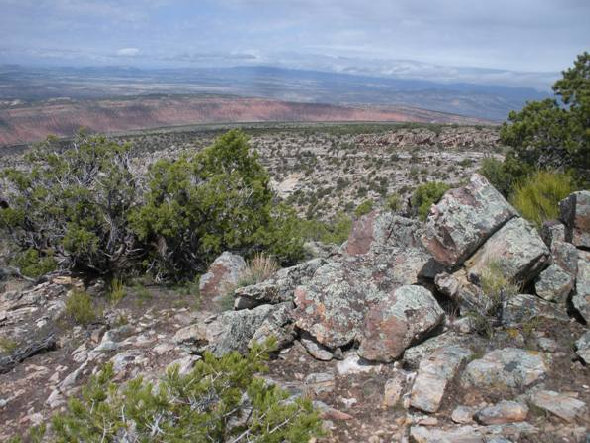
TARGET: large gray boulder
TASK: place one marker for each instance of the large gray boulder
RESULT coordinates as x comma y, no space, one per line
464,219
278,288
235,330
554,284
522,308
575,213
565,255
508,368
402,318
223,274
332,306
517,249
581,298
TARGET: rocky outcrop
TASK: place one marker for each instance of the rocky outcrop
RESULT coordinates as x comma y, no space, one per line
523,308
583,347
554,284
222,275
402,318
464,219
517,249
575,213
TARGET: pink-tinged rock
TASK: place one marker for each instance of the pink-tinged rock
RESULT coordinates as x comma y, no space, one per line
464,219
575,213
223,273
564,406
516,248
503,412
332,306
435,373
376,232
403,318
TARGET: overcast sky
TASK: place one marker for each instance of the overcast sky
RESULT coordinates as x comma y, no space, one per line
511,41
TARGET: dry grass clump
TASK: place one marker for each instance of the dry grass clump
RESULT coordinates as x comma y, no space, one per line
260,268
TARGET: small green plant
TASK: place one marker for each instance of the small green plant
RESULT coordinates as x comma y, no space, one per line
8,345
537,197
208,404
426,195
364,208
79,307
33,265
117,291
393,202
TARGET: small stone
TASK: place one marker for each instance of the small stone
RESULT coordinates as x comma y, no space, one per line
561,405
396,386
463,414
349,402
320,382
315,349
547,344
503,412
353,364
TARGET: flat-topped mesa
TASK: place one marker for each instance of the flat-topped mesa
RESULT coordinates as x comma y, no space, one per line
464,219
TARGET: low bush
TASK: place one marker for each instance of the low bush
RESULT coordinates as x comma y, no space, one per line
364,208
221,399
394,202
426,195
79,308
32,265
537,197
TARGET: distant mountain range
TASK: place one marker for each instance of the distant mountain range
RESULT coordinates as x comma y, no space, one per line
22,85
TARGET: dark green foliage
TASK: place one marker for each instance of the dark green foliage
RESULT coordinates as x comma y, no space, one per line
364,208
555,132
198,207
426,195
73,205
394,202
208,404
30,264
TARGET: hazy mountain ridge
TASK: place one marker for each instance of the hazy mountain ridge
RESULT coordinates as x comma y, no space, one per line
481,101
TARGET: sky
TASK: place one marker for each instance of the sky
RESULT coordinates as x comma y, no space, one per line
523,42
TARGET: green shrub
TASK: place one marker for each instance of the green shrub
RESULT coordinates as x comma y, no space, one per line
205,405
426,195
74,204
364,208
79,308
393,202
116,291
538,196
32,265
198,207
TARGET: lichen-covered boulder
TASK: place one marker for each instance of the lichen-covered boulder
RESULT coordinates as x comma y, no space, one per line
505,368
554,284
517,249
583,347
332,306
565,255
278,288
522,308
229,331
467,295
401,319
575,213
222,275
581,298
464,219
553,231
564,406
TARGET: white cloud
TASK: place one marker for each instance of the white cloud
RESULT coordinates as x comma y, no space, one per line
128,52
